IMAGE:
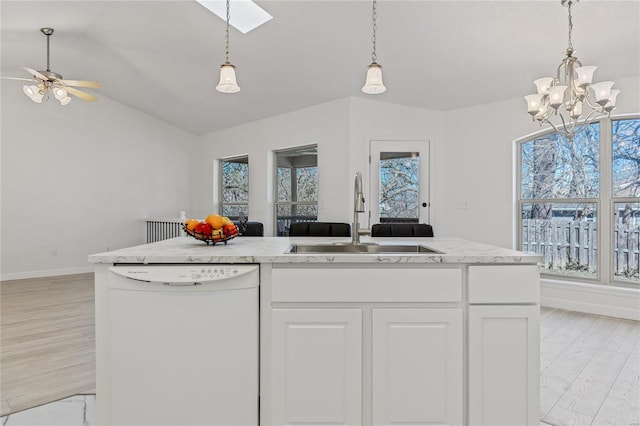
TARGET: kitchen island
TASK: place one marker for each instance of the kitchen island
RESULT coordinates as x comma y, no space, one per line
447,337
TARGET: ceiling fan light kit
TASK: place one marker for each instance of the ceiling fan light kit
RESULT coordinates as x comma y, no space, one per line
48,82
569,92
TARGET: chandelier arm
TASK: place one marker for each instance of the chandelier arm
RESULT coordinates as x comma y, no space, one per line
546,120
593,107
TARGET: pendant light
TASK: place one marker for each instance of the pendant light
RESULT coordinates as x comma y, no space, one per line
228,83
373,84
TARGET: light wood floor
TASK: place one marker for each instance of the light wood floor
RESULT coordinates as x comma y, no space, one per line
590,364
47,343
589,369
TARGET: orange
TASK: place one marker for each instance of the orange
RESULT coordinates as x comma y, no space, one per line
215,220
191,224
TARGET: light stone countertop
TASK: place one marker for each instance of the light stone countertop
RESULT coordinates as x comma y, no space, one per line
274,250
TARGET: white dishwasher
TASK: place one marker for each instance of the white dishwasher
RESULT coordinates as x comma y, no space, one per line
184,344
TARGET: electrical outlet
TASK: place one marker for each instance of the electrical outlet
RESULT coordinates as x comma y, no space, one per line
54,252
462,204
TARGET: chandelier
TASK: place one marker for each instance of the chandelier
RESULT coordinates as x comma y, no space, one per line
373,84
570,92
228,83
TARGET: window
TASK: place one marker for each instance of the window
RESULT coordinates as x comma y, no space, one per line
399,176
296,187
579,201
234,187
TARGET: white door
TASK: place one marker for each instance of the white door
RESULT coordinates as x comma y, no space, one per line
316,366
399,181
504,367
417,367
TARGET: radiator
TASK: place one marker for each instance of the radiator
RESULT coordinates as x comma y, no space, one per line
163,229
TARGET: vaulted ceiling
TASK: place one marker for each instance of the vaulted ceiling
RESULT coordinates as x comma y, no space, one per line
163,57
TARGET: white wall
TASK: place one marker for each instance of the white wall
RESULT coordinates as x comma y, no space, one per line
341,128
479,161
80,178
326,125
375,120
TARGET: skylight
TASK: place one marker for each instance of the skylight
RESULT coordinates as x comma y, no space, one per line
245,15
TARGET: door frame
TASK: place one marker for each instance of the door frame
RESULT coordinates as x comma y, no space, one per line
400,145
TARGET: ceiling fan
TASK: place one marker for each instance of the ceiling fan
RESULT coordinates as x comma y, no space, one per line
47,82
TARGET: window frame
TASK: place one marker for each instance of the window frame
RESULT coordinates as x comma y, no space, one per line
605,204
277,203
221,202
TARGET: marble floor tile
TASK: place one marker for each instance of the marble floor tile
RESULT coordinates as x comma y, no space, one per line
78,410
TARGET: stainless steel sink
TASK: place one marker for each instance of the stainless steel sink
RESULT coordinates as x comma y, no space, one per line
361,248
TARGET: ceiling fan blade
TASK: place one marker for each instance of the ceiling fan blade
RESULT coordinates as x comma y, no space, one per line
81,83
17,78
82,95
35,73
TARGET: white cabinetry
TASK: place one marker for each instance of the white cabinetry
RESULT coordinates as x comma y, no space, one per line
365,345
504,345
417,360
316,366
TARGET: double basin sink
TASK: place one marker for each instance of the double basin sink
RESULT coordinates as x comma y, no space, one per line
364,248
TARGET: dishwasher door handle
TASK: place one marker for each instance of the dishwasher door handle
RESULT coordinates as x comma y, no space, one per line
181,284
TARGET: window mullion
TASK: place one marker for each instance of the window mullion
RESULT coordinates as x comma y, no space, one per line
605,216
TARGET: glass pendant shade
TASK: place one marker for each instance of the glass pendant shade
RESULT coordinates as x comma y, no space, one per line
228,83
33,92
556,95
533,103
577,110
602,91
543,84
609,106
585,75
65,100
59,93
373,85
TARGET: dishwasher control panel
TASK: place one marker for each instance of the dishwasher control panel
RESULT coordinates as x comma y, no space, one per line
187,274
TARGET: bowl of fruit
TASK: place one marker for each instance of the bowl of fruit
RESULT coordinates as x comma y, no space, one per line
214,229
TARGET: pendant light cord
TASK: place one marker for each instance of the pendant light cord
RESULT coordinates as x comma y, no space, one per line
227,35
374,18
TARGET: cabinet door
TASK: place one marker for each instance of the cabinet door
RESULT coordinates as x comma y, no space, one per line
316,366
504,366
417,366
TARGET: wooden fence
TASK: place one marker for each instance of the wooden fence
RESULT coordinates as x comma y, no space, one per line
573,245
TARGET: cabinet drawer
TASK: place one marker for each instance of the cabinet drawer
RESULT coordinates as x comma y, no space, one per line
366,285
504,284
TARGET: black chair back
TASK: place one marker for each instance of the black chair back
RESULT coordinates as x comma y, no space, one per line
401,230
319,229
252,229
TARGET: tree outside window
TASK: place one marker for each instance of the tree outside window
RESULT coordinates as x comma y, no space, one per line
296,187
234,187
563,189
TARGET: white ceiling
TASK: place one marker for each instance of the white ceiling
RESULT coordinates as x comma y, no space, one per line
163,57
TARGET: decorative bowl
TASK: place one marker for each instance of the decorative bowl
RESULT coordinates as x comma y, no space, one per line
212,239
